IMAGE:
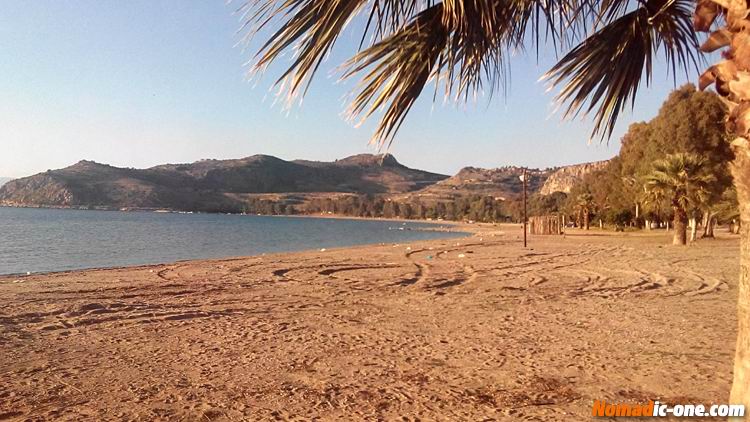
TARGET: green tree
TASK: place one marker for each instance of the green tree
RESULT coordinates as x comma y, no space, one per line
683,179
688,122
584,207
654,205
727,210
553,203
404,210
389,209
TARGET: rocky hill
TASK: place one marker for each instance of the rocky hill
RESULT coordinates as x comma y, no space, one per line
503,182
209,185
563,178
4,180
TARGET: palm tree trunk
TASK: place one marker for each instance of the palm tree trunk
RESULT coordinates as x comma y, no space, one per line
693,229
680,227
707,215
586,219
637,212
708,230
711,226
741,172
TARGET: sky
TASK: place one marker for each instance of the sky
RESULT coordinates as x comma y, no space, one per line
146,82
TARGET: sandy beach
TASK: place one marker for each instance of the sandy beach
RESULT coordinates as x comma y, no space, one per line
473,328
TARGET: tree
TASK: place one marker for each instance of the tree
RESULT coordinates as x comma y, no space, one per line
727,210
688,121
464,47
654,202
547,204
585,205
389,209
632,187
691,121
404,210
682,178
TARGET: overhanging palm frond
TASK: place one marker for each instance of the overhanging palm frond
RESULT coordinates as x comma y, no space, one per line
400,66
311,27
605,70
463,46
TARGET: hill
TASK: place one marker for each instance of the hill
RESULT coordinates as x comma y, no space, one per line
4,180
210,185
564,178
505,182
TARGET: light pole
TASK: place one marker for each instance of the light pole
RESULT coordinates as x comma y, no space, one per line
525,218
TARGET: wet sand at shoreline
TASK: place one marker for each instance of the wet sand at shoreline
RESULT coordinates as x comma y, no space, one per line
472,328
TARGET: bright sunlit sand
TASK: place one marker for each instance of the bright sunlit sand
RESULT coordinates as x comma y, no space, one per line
472,328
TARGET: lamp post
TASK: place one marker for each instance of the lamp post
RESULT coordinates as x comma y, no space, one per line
525,218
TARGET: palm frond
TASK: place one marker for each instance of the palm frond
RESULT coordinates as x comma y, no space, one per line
463,44
603,72
401,66
311,28
683,177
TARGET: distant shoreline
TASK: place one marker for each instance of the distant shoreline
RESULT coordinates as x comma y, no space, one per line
351,217
321,216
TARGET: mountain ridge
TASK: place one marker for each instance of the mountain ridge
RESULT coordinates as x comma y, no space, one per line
209,185
212,185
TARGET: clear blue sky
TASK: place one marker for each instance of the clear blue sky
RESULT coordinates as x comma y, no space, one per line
141,82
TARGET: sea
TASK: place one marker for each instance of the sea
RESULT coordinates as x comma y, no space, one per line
35,240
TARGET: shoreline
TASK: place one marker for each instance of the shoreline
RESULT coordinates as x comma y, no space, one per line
466,231
316,216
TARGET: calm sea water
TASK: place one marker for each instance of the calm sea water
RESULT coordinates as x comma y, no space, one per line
44,240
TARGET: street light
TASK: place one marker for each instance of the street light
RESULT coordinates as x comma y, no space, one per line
525,219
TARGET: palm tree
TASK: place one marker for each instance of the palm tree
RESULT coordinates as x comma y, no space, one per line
632,186
654,199
585,205
683,180
464,46
726,209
